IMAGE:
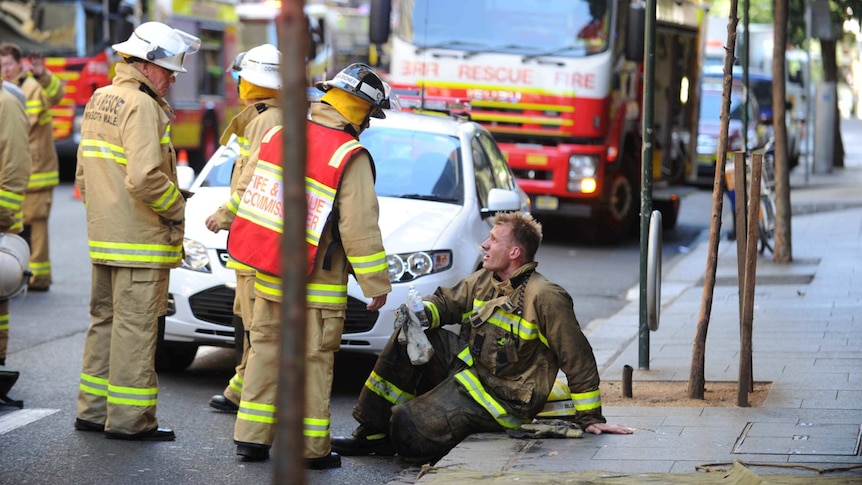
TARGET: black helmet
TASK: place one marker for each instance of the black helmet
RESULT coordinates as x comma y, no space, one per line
361,81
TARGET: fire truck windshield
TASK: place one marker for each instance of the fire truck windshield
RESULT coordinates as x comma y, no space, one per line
565,28
54,28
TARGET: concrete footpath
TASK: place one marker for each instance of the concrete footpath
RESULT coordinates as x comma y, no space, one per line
807,342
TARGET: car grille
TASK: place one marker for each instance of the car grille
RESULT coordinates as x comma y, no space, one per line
214,305
358,319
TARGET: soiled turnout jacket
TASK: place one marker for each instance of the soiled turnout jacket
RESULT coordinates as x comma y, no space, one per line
521,332
127,175
14,161
41,94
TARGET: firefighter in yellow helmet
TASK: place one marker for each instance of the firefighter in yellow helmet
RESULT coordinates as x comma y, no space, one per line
43,91
127,176
342,235
259,87
14,173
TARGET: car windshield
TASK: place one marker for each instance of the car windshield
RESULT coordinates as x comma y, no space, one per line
415,165
710,106
570,28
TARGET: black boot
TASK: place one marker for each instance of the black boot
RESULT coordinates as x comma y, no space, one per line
332,460
363,442
252,451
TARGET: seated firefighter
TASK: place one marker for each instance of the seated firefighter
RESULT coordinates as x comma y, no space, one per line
517,331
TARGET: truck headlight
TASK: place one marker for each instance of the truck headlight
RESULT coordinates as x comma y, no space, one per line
409,266
582,173
195,256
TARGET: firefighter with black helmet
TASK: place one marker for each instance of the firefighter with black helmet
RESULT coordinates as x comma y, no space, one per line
342,235
259,75
127,176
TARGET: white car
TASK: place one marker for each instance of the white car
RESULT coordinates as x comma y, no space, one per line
439,180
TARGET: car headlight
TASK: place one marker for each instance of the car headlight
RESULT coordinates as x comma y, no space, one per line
195,256
582,171
409,266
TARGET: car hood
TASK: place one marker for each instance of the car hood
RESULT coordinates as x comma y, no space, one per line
713,127
413,225
205,202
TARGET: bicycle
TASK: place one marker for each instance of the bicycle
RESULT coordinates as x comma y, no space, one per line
766,222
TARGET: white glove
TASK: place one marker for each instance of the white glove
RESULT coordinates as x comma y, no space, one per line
419,348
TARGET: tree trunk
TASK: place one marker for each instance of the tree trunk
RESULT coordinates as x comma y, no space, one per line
782,252
830,74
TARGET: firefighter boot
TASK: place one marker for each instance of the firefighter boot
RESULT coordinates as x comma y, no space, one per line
332,460
220,402
363,442
252,451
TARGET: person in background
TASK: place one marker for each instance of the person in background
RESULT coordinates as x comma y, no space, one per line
342,236
517,331
127,176
259,87
42,91
14,173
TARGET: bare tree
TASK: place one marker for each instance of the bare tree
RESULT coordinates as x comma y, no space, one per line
782,250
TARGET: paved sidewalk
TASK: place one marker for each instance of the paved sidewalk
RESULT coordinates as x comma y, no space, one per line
807,342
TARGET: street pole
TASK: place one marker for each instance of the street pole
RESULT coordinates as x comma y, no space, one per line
809,116
646,177
289,464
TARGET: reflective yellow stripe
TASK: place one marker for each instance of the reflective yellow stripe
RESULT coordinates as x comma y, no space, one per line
94,385
320,293
338,156
315,427
234,264
166,137
236,383
40,268
259,413
150,253
473,386
43,179
53,87
132,396
268,284
435,314
369,264
585,401
166,201
4,321
244,146
232,204
387,390
11,200
511,322
466,356
103,149
34,106
45,118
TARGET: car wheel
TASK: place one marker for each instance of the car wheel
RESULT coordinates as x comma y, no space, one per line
175,357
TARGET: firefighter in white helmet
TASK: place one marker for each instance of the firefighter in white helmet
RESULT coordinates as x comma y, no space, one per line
259,87
43,91
127,176
14,173
342,235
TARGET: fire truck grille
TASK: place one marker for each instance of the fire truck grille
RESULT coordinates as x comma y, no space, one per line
359,319
214,305
532,174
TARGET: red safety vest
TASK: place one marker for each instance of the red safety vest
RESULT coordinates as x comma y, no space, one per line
255,234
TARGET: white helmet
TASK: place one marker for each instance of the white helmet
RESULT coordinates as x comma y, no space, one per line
261,66
160,44
14,263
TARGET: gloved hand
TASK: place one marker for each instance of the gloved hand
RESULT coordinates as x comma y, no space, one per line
419,349
547,428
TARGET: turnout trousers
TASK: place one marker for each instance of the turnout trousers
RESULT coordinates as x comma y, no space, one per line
118,382
4,329
255,419
421,425
37,208
243,308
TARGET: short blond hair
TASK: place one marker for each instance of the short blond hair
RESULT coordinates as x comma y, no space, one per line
526,231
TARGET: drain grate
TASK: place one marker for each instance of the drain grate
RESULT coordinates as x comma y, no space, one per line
789,279
799,439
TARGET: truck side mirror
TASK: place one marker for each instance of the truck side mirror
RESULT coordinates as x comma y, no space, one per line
378,21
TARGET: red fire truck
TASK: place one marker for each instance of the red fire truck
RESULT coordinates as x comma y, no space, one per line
76,38
559,83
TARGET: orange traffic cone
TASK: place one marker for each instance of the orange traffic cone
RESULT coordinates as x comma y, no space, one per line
182,158
77,193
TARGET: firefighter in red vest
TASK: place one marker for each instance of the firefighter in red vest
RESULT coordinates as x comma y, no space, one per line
342,236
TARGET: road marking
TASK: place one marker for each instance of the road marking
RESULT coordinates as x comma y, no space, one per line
15,419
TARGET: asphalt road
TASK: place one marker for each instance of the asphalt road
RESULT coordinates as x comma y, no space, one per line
39,445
